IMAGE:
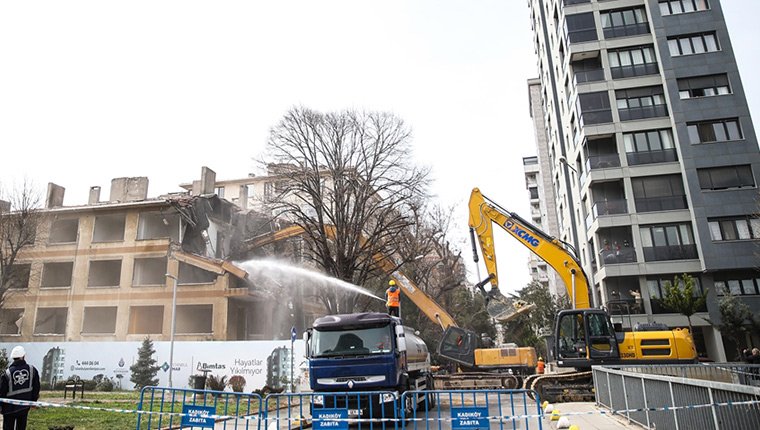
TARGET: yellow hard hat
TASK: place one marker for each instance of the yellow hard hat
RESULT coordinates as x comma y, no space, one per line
391,282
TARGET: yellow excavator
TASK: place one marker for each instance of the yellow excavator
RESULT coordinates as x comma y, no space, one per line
583,336
485,367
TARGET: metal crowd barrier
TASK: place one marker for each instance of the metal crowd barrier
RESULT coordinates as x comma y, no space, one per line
715,396
375,410
185,408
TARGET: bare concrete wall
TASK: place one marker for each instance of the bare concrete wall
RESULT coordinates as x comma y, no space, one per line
129,189
54,197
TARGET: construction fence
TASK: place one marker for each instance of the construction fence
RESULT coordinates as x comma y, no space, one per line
718,396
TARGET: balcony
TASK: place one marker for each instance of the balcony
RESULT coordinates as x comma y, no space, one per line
634,70
656,204
605,208
617,255
652,157
584,76
642,112
626,30
602,161
672,252
595,116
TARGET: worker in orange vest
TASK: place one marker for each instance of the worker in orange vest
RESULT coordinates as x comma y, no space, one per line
393,299
541,365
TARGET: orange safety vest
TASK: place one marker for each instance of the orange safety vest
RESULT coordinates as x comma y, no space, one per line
394,298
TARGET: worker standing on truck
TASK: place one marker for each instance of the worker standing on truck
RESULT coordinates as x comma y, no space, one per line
393,299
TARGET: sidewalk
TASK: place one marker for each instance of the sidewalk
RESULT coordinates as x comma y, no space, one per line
595,421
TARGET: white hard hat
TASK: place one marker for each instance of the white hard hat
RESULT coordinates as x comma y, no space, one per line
18,352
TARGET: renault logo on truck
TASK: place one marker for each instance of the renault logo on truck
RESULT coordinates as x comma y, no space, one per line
521,233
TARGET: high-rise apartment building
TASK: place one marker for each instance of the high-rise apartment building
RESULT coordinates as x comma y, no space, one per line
652,153
543,211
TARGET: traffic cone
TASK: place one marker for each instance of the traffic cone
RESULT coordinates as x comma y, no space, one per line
574,427
563,423
548,409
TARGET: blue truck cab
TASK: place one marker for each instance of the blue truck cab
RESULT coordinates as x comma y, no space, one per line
366,352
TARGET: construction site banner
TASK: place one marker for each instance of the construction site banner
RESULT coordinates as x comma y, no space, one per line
259,362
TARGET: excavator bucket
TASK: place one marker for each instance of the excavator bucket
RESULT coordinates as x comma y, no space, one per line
503,309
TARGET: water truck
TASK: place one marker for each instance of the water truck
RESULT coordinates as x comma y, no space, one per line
366,352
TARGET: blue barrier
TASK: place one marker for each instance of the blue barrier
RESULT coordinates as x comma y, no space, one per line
368,410
186,408
472,409
161,408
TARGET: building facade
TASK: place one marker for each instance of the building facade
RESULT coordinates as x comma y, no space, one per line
543,210
652,153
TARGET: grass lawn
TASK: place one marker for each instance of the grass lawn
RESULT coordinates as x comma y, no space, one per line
44,418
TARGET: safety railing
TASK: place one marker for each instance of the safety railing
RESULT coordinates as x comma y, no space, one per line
704,396
167,408
162,408
472,409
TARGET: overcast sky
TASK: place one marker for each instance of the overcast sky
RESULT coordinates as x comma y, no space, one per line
93,90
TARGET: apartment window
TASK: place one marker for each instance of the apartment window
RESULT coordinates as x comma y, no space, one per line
668,242
146,319
624,22
158,225
99,320
588,70
718,130
10,321
657,286
629,62
533,192
104,273
195,319
194,275
149,271
580,27
109,228
703,86
640,103
659,193
57,275
738,283
64,231
594,108
736,228
19,276
650,146
693,44
726,177
675,7
219,191
51,321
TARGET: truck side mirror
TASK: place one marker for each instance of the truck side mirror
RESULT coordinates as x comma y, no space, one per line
400,338
306,338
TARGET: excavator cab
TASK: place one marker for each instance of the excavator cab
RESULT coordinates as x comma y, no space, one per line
458,345
584,338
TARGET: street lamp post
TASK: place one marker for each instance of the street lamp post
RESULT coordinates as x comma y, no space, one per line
174,319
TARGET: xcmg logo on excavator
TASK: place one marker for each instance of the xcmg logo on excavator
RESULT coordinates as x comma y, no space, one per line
522,234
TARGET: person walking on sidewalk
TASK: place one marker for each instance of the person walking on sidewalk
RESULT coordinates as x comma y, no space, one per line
20,381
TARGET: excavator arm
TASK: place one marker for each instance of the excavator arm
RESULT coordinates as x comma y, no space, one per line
484,213
427,305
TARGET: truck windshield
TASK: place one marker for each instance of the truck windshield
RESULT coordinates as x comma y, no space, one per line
361,341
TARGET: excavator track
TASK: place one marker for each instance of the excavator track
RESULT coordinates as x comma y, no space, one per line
562,387
476,381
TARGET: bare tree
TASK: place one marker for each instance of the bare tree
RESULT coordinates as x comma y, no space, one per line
352,171
20,219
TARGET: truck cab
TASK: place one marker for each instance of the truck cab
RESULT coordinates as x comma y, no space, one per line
366,352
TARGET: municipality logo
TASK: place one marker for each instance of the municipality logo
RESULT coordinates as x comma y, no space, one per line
165,366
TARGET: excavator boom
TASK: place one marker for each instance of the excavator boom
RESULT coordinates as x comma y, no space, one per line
484,213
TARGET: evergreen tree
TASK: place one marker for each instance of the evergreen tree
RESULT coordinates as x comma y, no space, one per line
3,359
680,296
144,371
